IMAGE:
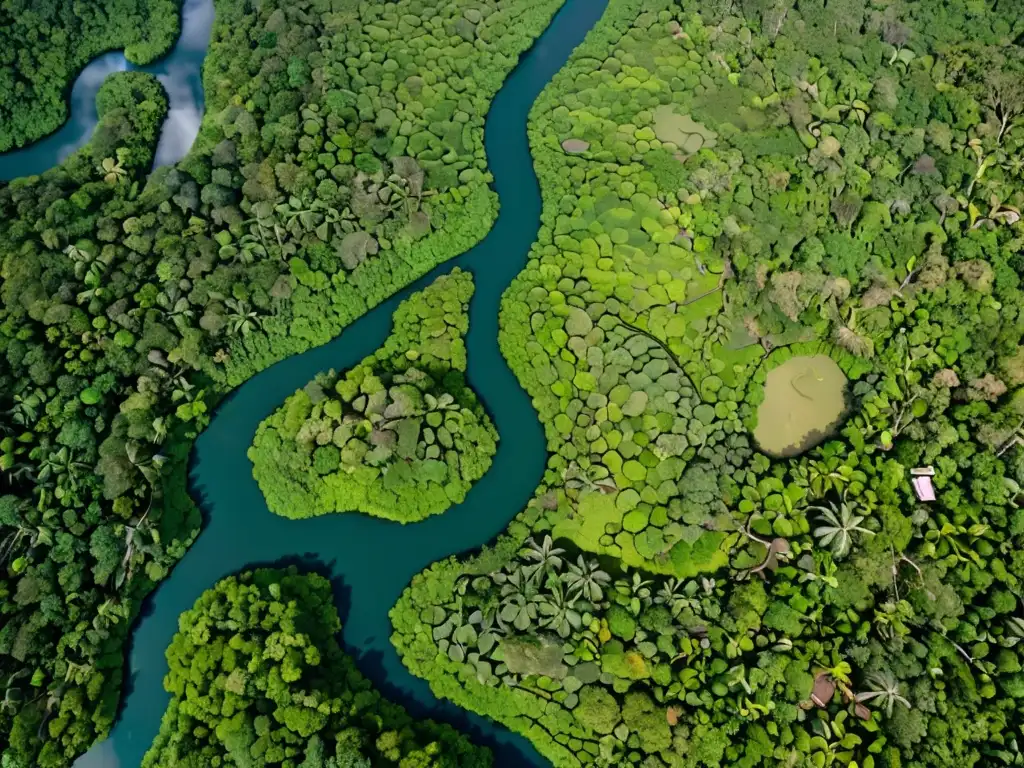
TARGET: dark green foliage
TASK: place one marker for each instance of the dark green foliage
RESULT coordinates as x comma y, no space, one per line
130,306
44,45
399,436
257,677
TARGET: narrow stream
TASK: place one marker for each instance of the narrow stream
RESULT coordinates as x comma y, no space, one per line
180,72
370,561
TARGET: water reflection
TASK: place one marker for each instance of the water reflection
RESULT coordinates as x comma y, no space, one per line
100,756
185,112
181,75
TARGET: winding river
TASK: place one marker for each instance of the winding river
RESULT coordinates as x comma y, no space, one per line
369,561
180,72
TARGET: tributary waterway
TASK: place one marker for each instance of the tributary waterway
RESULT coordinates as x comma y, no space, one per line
180,72
369,561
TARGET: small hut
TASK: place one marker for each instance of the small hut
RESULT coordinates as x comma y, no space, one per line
921,479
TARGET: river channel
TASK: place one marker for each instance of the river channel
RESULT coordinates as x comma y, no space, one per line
180,72
369,561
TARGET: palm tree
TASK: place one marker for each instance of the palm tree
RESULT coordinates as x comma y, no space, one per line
547,557
25,410
10,543
984,162
519,610
559,612
134,541
587,480
12,693
76,254
242,320
838,528
112,170
677,595
249,247
1014,631
146,463
300,215
339,222
60,468
825,476
108,612
159,430
77,674
175,307
515,583
886,690
445,402
91,273
853,106
637,590
587,579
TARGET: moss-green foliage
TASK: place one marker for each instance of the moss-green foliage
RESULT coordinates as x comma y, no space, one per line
129,306
399,436
861,201
680,131
257,678
44,45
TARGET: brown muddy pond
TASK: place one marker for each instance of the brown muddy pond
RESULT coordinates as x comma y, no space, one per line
804,399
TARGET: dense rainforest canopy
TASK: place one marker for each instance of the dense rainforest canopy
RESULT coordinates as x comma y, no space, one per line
340,158
44,44
257,678
731,189
400,436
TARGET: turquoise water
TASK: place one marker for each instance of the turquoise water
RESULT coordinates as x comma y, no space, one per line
181,75
370,561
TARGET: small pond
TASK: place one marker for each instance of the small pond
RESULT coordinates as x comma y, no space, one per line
804,399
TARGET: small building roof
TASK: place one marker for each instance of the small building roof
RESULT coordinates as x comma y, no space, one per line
923,488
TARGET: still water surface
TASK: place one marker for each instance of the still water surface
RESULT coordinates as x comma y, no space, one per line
369,561
804,399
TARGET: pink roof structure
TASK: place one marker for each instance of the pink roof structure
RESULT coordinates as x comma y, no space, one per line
922,482
923,488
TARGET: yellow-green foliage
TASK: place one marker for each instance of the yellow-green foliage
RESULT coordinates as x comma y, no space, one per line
861,200
255,669
399,436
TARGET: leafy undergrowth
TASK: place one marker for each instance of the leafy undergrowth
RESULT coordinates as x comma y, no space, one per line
847,185
400,435
257,678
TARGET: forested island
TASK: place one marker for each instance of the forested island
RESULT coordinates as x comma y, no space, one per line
257,678
400,436
772,325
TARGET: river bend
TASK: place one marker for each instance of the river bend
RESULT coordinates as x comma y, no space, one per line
369,561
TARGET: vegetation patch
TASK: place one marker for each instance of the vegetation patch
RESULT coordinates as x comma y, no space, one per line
44,47
400,436
340,158
257,678
858,215
681,130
